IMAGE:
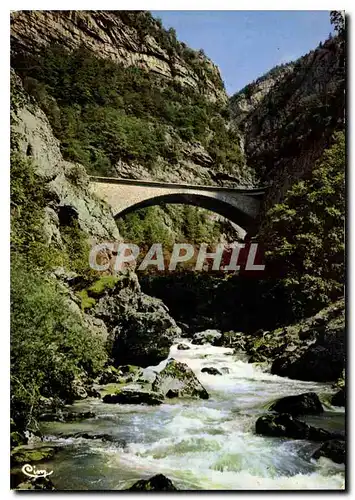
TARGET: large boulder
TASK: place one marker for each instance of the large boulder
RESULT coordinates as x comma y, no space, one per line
339,398
322,359
334,449
178,380
141,329
284,425
134,397
213,337
155,483
302,404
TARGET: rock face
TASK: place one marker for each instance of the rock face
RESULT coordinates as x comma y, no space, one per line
67,183
141,329
283,133
302,404
134,397
333,449
132,38
155,483
178,380
313,349
285,425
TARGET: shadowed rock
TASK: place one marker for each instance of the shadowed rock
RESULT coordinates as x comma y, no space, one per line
333,449
155,483
302,404
134,397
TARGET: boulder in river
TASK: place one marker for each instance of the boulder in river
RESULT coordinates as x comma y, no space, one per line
183,347
178,380
333,449
301,404
24,454
213,337
155,483
284,425
134,397
211,370
140,327
339,398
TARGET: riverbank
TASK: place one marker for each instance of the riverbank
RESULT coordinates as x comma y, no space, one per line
197,444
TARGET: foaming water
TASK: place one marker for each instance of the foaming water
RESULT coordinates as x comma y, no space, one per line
199,444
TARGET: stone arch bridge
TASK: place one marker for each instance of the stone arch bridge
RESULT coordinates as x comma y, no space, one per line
239,205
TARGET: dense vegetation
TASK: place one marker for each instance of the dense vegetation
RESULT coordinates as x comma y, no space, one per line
50,345
306,234
103,112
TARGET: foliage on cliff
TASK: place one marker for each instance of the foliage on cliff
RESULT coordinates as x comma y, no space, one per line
103,112
306,234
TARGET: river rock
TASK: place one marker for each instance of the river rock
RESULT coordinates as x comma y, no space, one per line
38,483
285,425
339,398
178,380
210,370
302,404
155,483
134,397
25,455
140,327
183,347
333,449
321,354
213,337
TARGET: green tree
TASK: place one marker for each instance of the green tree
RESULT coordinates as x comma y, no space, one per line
306,234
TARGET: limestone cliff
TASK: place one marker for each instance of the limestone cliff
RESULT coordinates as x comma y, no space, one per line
131,38
288,118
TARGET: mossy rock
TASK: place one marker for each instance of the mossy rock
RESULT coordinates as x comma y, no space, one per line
22,455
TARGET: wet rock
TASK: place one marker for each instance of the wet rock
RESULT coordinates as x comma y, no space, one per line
334,449
155,483
183,347
339,398
210,370
134,397
102,437
141,329
302,404
213,337
24,455
180,379
65,416
285,425
322,356
38,483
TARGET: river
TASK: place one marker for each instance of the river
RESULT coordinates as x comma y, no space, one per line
198,444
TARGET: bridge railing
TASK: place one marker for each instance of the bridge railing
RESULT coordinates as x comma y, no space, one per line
136,182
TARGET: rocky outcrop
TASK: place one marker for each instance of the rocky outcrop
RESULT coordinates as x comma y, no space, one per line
140,328
288,116
67,184
333,449
131,38
313,349
302,404
178,380
134,397
155,483
285,425
38,483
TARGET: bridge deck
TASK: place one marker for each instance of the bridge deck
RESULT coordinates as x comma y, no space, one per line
136,182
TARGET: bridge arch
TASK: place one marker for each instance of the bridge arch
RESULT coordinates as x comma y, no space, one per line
239,205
